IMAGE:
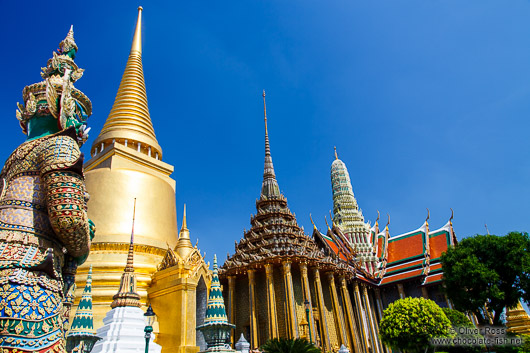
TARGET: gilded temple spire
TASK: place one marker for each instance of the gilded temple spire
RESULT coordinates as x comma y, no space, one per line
270,186
127,295
129,122
137,39
184,246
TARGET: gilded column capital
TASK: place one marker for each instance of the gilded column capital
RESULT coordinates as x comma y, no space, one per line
316,273
251,275
303,269
269,268
286,265
356,287
330,276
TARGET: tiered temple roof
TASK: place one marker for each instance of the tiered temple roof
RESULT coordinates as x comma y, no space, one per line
408,256
373,254
274,232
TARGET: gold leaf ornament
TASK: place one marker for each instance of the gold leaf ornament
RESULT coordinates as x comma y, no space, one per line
51,98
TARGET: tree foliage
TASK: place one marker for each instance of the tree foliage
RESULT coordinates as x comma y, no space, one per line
488,271
460,320
409,324
286,345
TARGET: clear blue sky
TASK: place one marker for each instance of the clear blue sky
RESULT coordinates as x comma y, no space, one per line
428,102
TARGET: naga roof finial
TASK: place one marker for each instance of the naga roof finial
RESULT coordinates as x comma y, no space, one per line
313,223
428,215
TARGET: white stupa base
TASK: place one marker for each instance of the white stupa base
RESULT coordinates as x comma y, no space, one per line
123,332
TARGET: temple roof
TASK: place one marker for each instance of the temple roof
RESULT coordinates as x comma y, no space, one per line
129,118
409,256
274,231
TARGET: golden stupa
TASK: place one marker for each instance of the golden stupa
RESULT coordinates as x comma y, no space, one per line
126,164
517,320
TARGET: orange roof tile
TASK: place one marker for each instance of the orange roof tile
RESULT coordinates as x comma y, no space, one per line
406,247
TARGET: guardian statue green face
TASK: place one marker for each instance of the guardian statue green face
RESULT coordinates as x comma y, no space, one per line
44,228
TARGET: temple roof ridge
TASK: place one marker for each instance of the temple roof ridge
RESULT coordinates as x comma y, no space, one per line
129,117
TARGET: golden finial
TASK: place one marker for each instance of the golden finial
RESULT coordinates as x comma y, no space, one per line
335,148
265,113
137,39
313,223
387,222
184,223
325,219
428,215
378,216
331,218
452,215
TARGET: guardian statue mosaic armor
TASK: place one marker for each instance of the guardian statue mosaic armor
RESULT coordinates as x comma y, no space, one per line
44,229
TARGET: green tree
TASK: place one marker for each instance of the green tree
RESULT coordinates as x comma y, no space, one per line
459,322
286,345
488,272
409,324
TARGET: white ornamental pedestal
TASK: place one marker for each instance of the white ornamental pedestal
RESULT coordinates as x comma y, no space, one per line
123,332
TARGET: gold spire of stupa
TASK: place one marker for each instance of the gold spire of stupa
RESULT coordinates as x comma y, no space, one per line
184,245
129,122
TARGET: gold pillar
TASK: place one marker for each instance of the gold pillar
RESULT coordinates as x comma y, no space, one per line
307,296
232,305
401,291
254,338
339,315
271,302
373,322
349,315
174,294
324,333
379,304
290,303
362,317
424,292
